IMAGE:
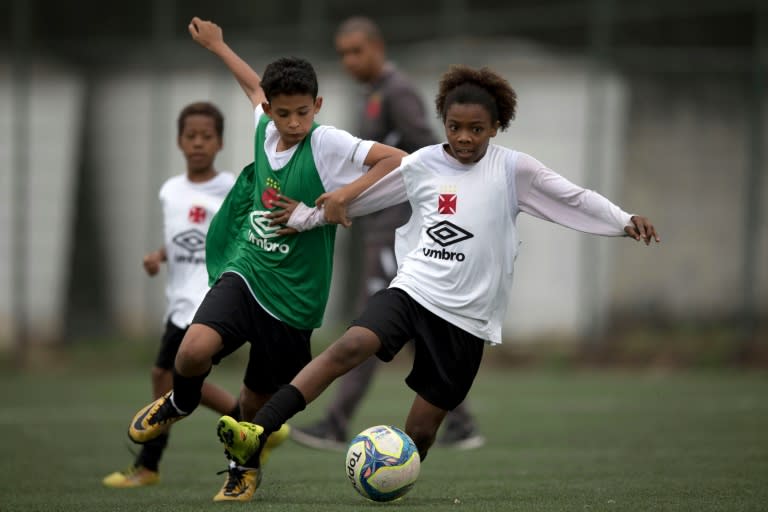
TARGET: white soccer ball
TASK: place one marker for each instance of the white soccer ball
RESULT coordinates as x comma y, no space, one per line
382,463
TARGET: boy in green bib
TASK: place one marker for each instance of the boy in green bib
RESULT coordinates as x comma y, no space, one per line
269,283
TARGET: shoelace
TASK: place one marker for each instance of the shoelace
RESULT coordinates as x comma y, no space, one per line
165,413
234,480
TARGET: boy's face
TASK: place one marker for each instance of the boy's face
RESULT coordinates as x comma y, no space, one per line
361,56
199,143
293,115
469,128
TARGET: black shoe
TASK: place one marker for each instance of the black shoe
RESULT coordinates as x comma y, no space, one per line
461,437
321,435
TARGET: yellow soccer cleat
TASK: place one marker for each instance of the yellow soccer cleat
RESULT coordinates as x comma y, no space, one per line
274,440
154,419
240,439
134,476
240,485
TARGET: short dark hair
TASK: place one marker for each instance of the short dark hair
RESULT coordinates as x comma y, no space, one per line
291,76
360,24
202,108
465,85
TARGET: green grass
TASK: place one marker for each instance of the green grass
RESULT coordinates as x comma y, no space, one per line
557,440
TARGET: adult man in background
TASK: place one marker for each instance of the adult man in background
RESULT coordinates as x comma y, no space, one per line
391,112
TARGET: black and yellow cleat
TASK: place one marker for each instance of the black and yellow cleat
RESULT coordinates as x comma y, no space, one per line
154,419
134,476
241,484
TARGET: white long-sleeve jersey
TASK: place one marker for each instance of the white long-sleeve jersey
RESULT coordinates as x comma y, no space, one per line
456,254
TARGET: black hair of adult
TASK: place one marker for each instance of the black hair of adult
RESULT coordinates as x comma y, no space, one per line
291,76
360,24
202,108
466,85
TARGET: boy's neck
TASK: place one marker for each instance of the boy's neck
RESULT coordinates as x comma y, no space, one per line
201,176
283,145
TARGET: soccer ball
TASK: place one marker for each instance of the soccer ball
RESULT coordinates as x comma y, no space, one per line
382,463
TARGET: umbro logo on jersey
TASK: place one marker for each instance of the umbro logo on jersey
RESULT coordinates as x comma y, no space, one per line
446,233
262,232
191,240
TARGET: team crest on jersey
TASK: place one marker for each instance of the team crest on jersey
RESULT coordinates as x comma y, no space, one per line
373,106
197,215
270,193
447,200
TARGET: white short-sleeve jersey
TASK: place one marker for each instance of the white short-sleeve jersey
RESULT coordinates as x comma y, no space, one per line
339,156
188,208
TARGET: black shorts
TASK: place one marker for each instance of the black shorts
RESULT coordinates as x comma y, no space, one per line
169,345
446,358
278,351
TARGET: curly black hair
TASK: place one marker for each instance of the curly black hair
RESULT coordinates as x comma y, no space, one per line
202,108
465,85
291,76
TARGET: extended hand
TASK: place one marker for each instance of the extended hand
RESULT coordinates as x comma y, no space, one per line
152,262
280,217
334,205
641,228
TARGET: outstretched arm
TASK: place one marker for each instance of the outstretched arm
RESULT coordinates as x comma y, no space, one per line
545,194
209,35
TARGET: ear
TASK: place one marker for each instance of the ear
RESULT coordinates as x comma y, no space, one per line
318,104
267,108
495,128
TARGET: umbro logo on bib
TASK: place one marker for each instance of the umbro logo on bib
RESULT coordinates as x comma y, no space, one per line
261,233
260,224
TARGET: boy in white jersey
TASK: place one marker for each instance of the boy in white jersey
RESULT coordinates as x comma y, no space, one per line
270,283
455,257
189,202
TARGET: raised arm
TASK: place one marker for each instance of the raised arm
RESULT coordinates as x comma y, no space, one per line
209,35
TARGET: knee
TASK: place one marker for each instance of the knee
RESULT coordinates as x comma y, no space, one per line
195,355
353,348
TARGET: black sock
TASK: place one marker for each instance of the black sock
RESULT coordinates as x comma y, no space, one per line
235,413
280,408
187,391
151,452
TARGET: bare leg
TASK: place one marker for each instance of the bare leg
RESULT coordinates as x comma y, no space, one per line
422,423
355,346
351,389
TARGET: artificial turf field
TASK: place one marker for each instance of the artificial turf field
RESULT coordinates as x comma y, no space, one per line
576,440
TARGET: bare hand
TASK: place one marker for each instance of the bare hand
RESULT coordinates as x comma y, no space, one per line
334,205
642,229
206,33
152,262
280,216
